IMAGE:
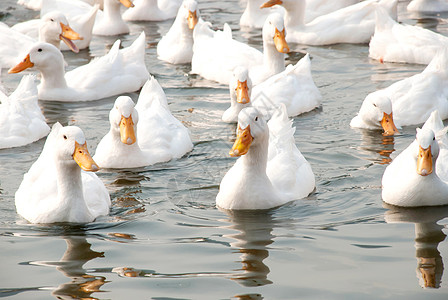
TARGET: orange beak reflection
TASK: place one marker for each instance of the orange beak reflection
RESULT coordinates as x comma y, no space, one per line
424,161
83,158
242,92
280,42
23,65
242,143
388,125
127,3
127,132
192,19
271,3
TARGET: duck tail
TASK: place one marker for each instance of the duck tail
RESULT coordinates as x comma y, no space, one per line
391,7
383,20
151,94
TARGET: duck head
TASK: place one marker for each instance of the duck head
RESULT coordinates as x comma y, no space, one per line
252,130
190,13
274,32
123,118
428,151
377,112
240,86
70,145
42,56
54,27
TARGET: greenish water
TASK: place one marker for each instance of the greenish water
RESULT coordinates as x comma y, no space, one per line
165,239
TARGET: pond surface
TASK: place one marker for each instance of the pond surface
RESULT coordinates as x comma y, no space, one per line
164,237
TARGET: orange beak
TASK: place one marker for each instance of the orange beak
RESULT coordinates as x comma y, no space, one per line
127,3
242,143
23,65
127,132
424,161
69,33
83,158
242,92
271,3
280,42
192,19
388,125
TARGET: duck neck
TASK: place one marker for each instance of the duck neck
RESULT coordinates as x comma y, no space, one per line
256,158
112,10
53,76
70,190
273,60
45,38
294,14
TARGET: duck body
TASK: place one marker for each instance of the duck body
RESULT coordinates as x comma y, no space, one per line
176,46
335,27
433,6
142,135
271,170
216,54
411,180
55,189
394,42
119,71
21,119
415,98
152,10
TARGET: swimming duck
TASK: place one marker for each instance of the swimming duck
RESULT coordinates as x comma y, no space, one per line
253,16
216,54
412,100
412,179
143,134
55,189
271,170
117,72
335,27
176,46
395,42
53,28
82,24
432,6
152,10
21,119
293,87
108,22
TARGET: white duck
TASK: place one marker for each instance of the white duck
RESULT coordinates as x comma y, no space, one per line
143,134
271,170
117,72
432,6
411,179
351,24
37,4
108,22
376,113
82,24
216,54
395,42
176,46
21,119
253,16
152,10
55,189
293,87
413,99
53,29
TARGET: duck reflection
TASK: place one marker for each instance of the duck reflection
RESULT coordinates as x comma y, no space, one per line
82,285
428,235
374,142
251,242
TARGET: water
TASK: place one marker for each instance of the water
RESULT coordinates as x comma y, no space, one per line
165,239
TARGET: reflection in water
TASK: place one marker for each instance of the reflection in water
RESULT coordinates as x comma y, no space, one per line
82,285
251,243
374,141
428,235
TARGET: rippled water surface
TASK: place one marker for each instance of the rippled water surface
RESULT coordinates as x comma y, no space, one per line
165,239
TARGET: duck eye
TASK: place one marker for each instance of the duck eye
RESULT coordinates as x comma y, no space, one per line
256,119
39,50
51,20
434,138
65,137
374,104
